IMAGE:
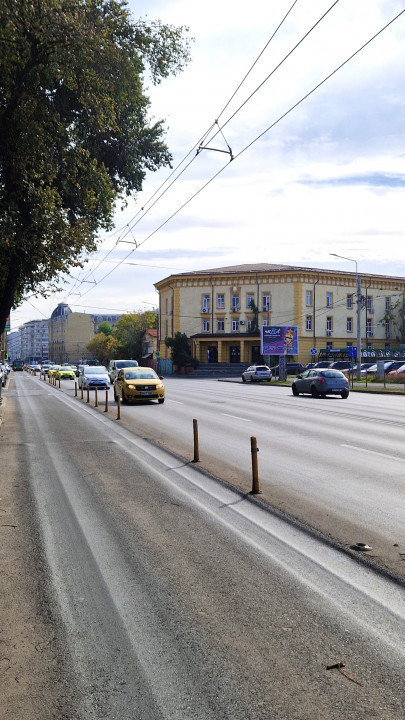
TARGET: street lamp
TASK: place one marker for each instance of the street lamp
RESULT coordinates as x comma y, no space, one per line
358,296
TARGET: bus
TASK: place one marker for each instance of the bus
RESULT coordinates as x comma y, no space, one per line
18,364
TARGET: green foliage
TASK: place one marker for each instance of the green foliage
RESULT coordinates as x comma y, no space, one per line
75,135
254,327
180,349
129,333
395,316
105,328
102,346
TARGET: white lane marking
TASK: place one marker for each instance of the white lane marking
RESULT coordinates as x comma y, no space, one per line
373,452
177,402
236,417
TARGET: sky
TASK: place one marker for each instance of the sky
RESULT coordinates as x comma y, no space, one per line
315,170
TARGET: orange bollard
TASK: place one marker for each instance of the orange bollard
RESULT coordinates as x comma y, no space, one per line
118,408
95,398
106,401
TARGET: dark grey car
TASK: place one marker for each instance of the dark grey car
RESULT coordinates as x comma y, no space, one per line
319,382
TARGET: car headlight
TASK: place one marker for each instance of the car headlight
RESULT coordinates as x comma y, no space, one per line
131,387
159,386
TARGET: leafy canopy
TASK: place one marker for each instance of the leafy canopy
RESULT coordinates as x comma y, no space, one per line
74,129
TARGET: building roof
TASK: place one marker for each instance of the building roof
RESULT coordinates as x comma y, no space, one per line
253,268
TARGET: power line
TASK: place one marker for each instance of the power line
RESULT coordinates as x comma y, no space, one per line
249,145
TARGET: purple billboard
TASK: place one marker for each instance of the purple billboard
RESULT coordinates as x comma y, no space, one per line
279,340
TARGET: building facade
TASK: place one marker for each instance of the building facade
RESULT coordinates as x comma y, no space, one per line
34,341
221,310
69,334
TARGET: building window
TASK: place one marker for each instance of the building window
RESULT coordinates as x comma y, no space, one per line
329,324
349,301
329,345
369,327
387,329
266,303
221,325
370,303
309,298
308,322
206,303
235,303
249,324
206,326
250,298
387,304
220,301
349,324
329,299
235,325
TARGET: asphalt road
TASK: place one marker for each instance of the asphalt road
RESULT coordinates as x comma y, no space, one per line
337,465
182,599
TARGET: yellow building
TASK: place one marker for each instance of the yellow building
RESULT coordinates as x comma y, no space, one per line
69,334
214,309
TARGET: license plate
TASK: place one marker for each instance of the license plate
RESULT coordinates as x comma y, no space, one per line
146,393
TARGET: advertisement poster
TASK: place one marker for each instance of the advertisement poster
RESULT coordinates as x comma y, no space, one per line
279,340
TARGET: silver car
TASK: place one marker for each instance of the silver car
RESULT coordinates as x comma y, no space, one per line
320,382
254,373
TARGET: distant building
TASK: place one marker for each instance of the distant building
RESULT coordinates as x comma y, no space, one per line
34,341
110,319
69,334
149,344
14,345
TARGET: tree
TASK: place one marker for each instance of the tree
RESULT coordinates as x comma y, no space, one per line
395,317
181,351
105,328
129,333
102,346
254,326
74,130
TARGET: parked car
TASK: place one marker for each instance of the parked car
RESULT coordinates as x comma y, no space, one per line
397,375
322,364
52,370
254,373
116,365
319,382
372,370
66,373
291,368
138,383
94,376
342,365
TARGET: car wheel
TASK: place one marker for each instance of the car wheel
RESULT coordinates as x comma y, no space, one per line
344,394
123,399
243,378
314,392
294,390
251,378
161,401
115,396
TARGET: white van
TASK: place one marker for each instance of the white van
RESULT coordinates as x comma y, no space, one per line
116,365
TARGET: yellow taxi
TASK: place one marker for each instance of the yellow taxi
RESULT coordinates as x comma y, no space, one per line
138,383
52,370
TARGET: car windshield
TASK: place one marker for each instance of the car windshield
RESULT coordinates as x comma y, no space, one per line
95,370
140,375
126,363
261,368
331,373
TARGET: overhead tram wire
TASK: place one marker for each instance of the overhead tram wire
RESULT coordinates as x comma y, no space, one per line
304,37
249,145
131,224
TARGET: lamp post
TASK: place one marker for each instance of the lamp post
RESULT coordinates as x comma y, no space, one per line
358,298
